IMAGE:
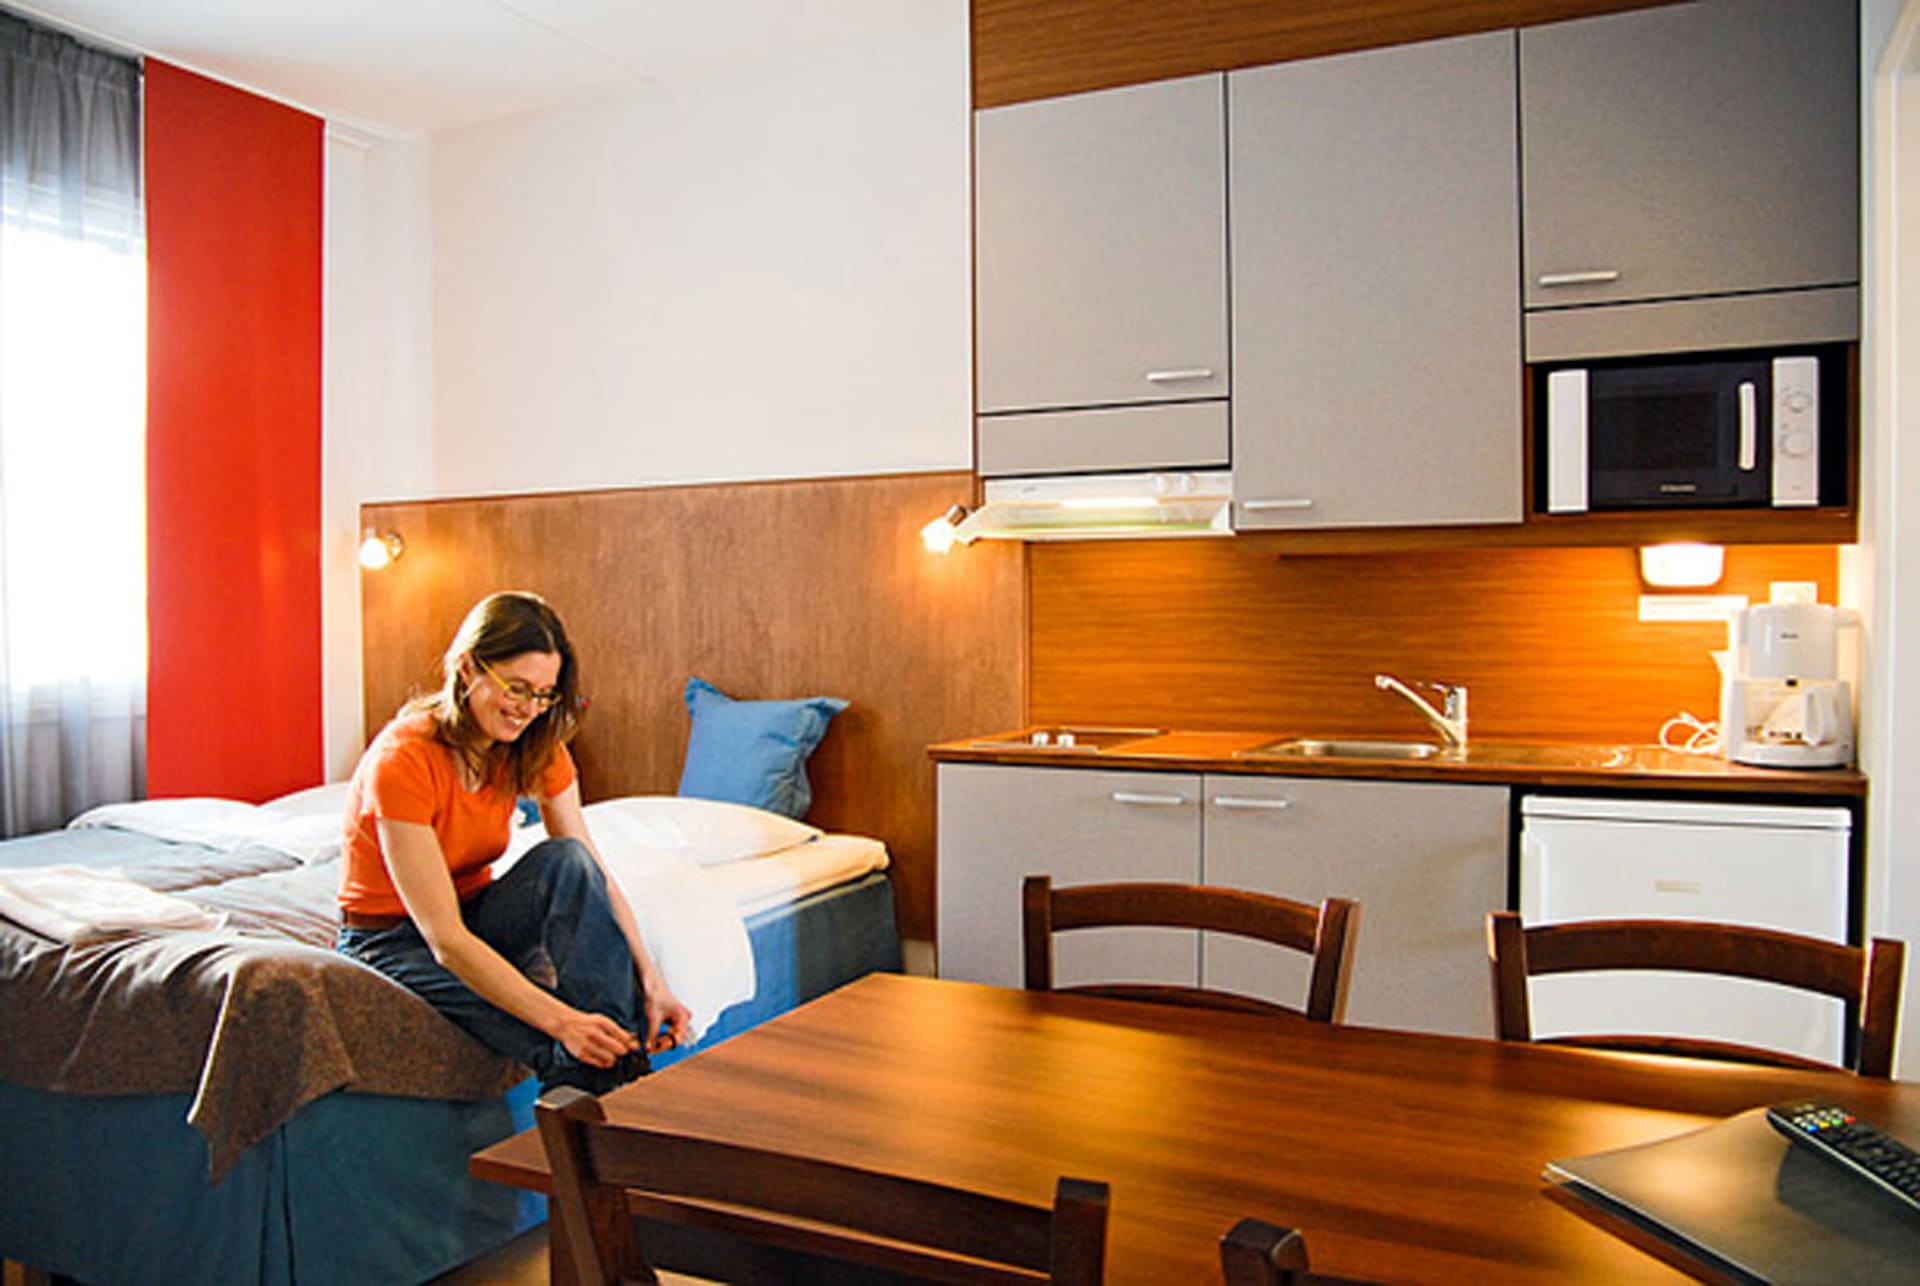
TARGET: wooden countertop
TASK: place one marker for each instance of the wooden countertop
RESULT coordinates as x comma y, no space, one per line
1618,767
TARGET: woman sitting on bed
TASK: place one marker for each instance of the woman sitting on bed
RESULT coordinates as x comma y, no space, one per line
432,805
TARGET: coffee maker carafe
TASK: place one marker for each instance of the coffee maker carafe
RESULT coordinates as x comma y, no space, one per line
1783,704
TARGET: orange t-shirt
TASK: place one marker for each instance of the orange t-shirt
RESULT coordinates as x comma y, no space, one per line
407,775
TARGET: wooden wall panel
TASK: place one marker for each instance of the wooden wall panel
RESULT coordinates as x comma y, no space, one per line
1026,49
1221,635
778,589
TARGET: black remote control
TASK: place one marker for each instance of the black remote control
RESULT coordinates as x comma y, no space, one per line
1867,1150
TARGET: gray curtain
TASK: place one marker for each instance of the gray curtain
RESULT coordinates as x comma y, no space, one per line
72,729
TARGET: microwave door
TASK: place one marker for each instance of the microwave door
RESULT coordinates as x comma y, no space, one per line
1680,435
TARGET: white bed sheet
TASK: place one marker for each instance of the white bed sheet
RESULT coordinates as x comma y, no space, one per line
758,884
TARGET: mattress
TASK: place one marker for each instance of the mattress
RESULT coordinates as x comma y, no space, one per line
757,884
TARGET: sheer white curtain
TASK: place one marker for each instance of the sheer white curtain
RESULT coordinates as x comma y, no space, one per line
72,430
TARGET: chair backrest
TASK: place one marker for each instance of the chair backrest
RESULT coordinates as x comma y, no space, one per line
1257,1253
1868,979
603,1170
1320,931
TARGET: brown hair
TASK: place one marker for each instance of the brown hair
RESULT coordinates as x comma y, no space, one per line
500,627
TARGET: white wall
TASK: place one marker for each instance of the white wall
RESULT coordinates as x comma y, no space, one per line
377,396
755,272
1890,366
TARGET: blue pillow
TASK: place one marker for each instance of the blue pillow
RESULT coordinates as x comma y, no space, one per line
753,752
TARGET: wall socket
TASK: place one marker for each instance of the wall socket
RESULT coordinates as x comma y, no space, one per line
1793,591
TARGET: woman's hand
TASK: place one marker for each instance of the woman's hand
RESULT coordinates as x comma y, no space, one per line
669,1023
594,1039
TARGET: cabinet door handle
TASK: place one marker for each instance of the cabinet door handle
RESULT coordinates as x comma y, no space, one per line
1182,375
1749,427
1151,801
1245,801
1594,277
1256,506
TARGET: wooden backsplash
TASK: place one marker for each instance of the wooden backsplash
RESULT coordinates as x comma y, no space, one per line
1224,635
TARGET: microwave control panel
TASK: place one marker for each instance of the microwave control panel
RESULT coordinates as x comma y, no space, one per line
1796,431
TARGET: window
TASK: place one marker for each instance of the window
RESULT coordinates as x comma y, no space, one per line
72,430
72,458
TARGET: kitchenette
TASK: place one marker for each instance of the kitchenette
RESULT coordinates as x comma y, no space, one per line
1387,368
1427,838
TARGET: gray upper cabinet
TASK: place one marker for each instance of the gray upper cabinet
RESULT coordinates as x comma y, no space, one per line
1100,237
1683,156
1376,317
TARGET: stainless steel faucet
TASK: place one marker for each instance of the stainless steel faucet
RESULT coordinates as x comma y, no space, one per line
1452,724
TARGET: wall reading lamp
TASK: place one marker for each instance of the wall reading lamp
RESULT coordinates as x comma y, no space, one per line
379,548
943,532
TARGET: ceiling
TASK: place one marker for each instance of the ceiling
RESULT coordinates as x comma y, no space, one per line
406,67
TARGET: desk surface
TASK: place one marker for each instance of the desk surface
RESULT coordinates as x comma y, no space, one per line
1402,1157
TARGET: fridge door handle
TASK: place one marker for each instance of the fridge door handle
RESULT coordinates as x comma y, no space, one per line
1691,888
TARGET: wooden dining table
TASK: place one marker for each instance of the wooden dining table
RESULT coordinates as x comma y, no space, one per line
1402,1157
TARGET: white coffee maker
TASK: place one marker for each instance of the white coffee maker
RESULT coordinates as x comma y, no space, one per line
1782,702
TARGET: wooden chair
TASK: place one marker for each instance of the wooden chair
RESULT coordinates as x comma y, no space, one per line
1320,931
1256,1253
1866,978
605,1172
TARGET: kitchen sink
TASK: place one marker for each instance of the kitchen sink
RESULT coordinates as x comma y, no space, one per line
1343,748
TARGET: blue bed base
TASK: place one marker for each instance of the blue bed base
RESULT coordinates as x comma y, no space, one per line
354,1187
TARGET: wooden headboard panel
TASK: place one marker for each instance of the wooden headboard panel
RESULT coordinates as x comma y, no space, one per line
776,589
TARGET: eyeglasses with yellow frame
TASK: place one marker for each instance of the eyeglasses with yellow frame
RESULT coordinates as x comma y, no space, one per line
520,693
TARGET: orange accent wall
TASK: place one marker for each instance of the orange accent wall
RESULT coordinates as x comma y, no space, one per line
1223,635
234,188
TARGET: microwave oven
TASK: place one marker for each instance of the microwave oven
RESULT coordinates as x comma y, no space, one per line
1718,430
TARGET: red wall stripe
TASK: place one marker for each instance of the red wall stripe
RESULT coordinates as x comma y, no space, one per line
234,189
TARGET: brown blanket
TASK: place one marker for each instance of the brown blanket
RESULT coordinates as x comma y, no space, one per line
254,1020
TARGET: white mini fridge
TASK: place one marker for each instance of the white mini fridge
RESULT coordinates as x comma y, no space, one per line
1770,865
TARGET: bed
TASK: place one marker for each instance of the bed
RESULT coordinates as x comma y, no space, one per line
236,1102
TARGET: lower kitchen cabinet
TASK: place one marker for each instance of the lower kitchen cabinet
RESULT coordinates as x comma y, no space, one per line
1426,861
998,825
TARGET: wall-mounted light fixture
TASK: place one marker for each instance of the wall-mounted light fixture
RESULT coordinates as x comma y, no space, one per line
379,548
1682,566
943,532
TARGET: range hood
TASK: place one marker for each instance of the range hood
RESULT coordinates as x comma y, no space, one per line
1104,506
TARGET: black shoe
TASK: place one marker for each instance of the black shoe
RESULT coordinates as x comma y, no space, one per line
570,1071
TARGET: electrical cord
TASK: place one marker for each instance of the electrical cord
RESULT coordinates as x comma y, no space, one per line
1702,737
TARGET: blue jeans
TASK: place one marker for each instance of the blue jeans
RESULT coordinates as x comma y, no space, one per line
551,904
